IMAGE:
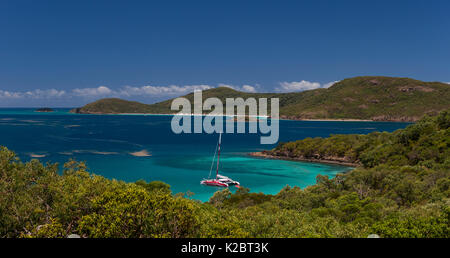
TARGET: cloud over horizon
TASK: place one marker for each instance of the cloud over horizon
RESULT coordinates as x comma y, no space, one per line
301,86
81,96
244,88
35,94
147,92
104,91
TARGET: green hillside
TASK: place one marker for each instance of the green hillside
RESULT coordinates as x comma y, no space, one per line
375,98
370,97
113,106
424,144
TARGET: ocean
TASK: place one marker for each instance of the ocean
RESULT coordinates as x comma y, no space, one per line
105,142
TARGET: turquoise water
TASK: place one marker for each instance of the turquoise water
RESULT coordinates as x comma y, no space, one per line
106,141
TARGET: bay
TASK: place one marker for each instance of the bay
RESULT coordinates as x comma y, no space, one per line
106,144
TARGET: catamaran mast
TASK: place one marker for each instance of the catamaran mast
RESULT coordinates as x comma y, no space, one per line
223,181
218,155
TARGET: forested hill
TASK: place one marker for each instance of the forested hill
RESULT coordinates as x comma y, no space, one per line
370,97
425,143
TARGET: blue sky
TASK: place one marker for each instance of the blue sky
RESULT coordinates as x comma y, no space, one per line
68,53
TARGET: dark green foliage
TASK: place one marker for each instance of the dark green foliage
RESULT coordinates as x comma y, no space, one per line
409,226
154,186
135,212
425,143
37,202
113,106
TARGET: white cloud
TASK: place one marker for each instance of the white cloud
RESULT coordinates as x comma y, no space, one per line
10,95
244,88
35,94
298,86
104,91
51,93
101,91
147,91
302,86
248,88
160,90
129,91
328,85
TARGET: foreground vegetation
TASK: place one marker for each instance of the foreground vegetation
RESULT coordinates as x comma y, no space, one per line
401,189
369,97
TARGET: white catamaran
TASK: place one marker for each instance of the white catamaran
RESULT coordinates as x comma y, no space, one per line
221,181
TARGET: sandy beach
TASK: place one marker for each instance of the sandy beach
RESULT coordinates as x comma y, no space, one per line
336,120
37,155
235,116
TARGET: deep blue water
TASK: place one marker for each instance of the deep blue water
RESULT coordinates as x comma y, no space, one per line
106,141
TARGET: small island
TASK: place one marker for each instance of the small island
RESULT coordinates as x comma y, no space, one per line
46,109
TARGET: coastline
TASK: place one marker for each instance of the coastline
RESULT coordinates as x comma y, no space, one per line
284,118
339,120
324,161
259,117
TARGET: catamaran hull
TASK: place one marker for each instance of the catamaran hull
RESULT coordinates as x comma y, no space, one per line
213,183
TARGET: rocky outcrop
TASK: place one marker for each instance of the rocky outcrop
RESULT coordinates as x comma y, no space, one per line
314,158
